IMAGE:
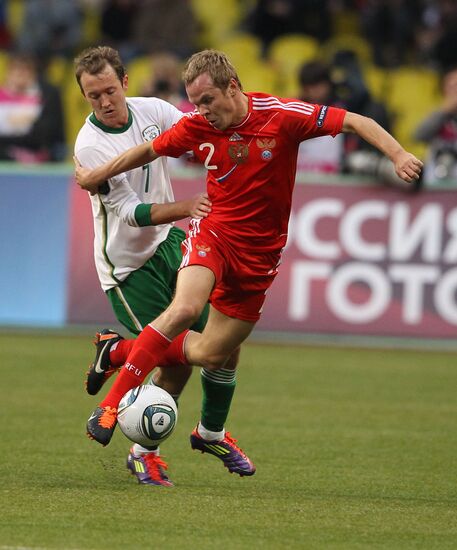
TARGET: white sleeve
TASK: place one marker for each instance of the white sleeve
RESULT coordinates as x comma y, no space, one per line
169,114
118,195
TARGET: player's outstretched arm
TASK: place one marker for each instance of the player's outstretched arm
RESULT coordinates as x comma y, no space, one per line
132,158
196,207
407,166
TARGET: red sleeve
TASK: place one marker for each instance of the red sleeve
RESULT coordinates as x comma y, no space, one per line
322,121
330,119
175,141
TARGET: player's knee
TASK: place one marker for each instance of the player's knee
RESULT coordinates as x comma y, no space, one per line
172,379
215,361
232,360
185,314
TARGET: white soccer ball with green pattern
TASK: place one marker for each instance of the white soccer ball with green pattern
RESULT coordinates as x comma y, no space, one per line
147,415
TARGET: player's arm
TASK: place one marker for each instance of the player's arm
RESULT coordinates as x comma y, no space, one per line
157,214
407,166
132,158
118,196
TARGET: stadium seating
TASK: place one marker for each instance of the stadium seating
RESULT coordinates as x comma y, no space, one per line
14,14
217,19
351,42
409,93
241,47
245,52
376,80
59,70
3,64
287,53
76,109
412,94
139,70
258,77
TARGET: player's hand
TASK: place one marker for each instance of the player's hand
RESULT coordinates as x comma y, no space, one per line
199,206
407,166
84,178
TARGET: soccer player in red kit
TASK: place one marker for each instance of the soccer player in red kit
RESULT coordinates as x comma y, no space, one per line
248,142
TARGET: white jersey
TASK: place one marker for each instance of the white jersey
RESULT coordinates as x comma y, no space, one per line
120,245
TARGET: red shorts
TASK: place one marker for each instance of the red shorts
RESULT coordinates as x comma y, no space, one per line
242,277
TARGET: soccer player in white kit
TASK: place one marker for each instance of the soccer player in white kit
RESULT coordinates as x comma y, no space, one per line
136,247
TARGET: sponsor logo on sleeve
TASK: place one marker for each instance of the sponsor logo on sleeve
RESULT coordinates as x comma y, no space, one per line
322,114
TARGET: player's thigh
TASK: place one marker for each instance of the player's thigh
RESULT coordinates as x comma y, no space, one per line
221,336
193,288
194,284
142,298
139,299
149,290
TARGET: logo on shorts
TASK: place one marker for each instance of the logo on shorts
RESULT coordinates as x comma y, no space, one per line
151,132
202,250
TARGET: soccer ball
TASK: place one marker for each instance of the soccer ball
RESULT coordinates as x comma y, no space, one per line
147,415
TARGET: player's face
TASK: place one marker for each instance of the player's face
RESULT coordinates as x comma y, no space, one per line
221,108
106,94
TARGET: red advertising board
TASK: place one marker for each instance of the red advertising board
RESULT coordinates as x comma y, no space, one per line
368,260
362,260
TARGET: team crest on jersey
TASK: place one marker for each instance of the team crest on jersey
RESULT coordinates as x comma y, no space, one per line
151,132
266,145
202,250
239,152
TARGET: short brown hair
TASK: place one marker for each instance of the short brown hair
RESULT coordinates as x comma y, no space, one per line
213,62
94,60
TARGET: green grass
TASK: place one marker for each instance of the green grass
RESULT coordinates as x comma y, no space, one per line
354,449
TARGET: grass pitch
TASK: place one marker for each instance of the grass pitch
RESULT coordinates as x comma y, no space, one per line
354,449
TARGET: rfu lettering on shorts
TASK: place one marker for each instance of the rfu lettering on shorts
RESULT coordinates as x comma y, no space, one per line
132,368
322,115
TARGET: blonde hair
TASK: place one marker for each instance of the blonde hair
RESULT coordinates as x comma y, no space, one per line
213,62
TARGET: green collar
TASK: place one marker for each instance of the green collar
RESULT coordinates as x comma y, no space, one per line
110,130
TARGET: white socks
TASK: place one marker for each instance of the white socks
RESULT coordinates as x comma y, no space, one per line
208,435
138,450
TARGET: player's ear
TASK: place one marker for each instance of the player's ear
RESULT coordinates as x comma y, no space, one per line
125,81
232,87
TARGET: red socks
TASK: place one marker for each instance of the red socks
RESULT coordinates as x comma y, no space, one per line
174,355
147,350
120,351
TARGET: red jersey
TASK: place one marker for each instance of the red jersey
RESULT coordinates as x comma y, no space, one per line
251,166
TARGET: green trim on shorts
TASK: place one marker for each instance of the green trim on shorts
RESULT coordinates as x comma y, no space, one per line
148,291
